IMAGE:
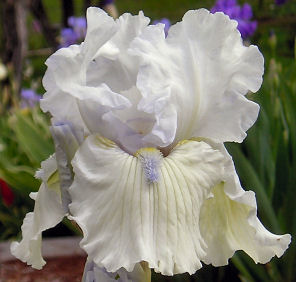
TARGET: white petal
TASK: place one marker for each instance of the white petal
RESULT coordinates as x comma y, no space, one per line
157,97
127,126
48,212
93,273
70,101
207,70
65,78
126,220
134,128
87,84
100,28
113,64
67,139
48,167
229,222
63,66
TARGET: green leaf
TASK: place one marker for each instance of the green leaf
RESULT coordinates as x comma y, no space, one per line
31,139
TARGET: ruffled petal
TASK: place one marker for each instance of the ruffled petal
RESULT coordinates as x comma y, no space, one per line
48,167
68,99
112,64
207,71
228,222
66,76
48,212
127,219
88,84
157,99
63,66
100,28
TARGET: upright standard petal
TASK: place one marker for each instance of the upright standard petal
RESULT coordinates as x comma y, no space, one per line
88,84
100,28
66,77
126,218
48,212
228,222
207,71
68,98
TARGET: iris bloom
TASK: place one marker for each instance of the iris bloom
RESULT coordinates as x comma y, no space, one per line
74,33
29,98
139,121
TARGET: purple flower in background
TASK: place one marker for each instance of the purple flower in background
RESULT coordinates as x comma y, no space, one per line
280,2
29,98
68,37
75,32
78,24
242,14
166,23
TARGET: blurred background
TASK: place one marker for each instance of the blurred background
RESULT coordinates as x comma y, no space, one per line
31,30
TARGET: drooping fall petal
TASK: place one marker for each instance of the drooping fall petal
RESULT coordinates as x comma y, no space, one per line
48,212
126,219
229,222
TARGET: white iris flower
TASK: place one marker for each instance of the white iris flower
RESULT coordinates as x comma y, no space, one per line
139,121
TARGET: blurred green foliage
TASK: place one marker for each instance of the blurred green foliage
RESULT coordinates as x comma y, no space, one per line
25,142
